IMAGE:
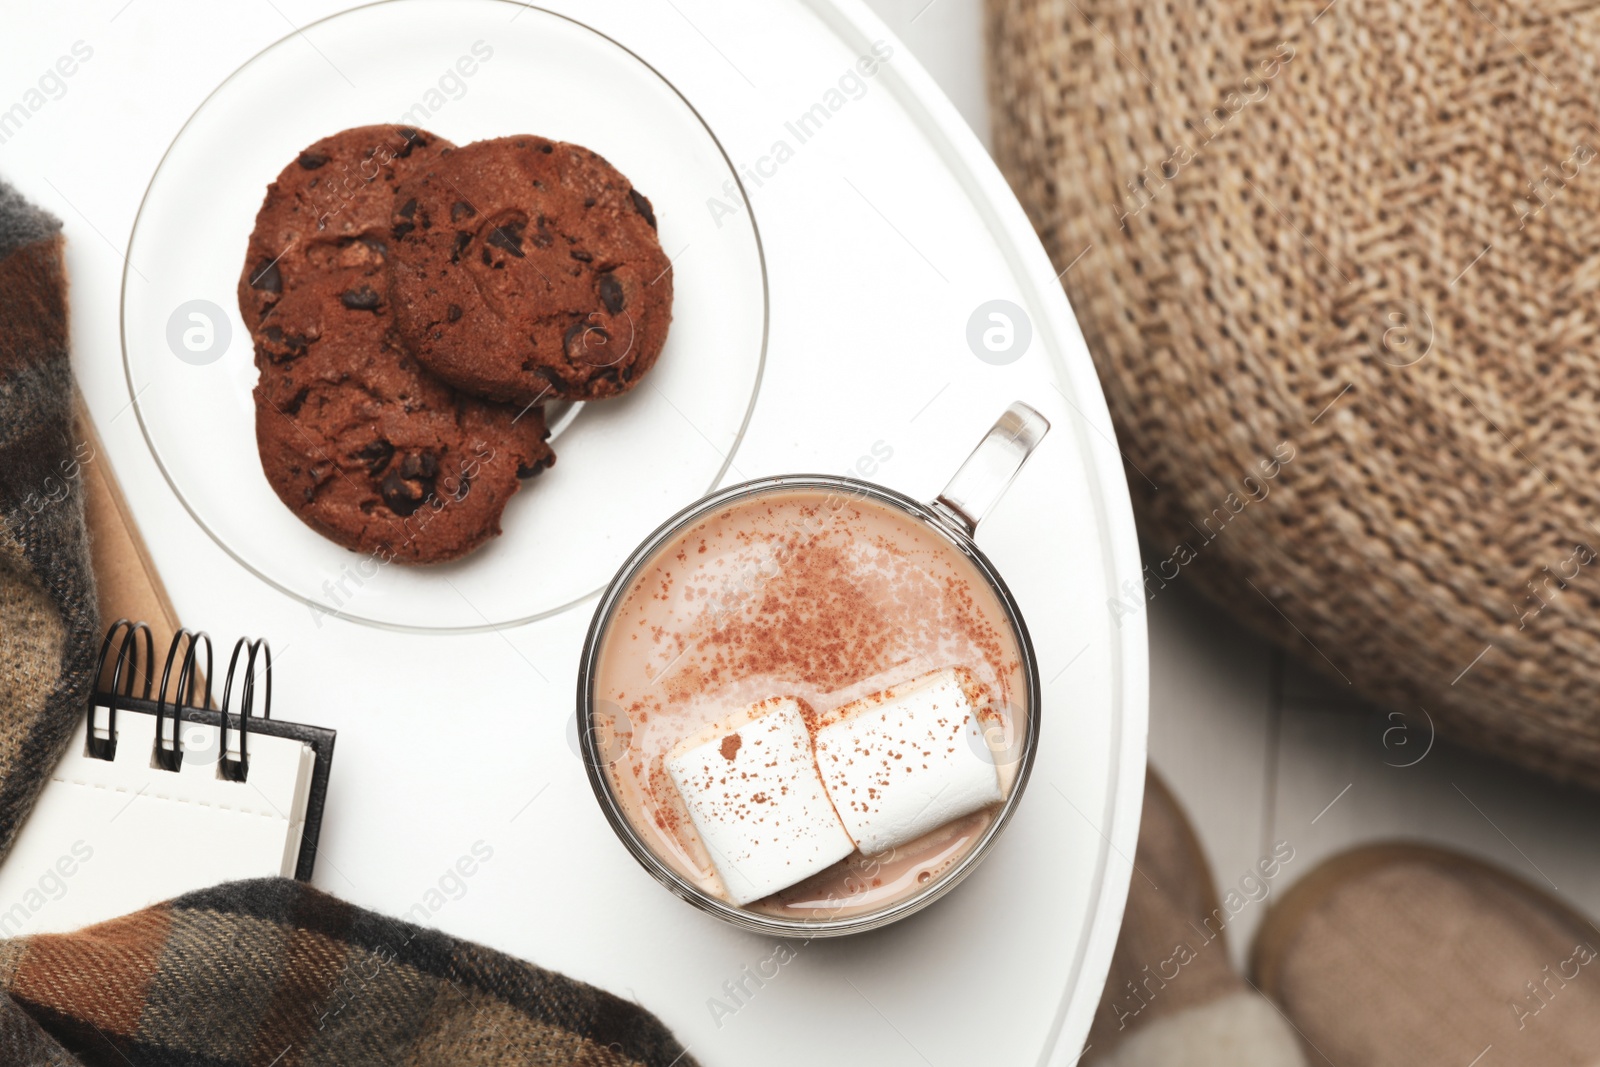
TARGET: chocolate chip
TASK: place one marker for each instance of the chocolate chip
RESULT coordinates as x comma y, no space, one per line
376,456
363,299
574,333
508,237
282,347
453,312
547,148
312,160
581,256
611,293
642,206
412,141
535,467
407,486
402,497
420,465
266,277
407,214
588,201
461,210
374,245
542,236
580,337
463,239
488,257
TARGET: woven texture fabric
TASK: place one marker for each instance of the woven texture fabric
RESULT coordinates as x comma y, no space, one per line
251,974
1337,264
47,603
274,972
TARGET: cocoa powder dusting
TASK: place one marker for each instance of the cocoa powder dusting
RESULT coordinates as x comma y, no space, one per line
819,621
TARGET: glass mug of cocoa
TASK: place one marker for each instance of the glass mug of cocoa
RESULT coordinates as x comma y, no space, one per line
809,704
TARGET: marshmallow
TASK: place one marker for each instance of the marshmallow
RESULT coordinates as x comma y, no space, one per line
751,786
907,760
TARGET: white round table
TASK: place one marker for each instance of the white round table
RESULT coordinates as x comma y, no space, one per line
884,230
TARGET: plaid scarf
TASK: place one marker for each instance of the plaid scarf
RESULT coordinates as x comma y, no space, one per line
266,973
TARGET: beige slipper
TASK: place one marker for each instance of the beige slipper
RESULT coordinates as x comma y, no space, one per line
1172,998
1407,955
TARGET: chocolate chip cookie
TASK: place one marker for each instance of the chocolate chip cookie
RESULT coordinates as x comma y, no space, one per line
356,438
526,269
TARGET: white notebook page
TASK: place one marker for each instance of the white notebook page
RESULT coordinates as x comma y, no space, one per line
108,837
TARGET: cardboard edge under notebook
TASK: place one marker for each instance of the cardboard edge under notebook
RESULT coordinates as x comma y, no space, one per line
127,584
319,739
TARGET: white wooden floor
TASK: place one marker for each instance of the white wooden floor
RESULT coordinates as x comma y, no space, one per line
1260,749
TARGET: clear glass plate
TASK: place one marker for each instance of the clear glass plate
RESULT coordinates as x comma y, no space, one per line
466,70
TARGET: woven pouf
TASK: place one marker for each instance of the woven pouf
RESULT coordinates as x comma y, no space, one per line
1337,264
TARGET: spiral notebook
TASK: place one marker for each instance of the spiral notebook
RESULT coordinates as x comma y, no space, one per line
159,793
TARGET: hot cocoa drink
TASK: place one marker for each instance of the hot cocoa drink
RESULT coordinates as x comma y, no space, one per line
810,704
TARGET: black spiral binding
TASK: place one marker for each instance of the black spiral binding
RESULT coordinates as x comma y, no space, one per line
171,759
129,667
238,769
127,659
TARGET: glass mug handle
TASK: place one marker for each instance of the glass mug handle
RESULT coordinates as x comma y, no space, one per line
986,474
